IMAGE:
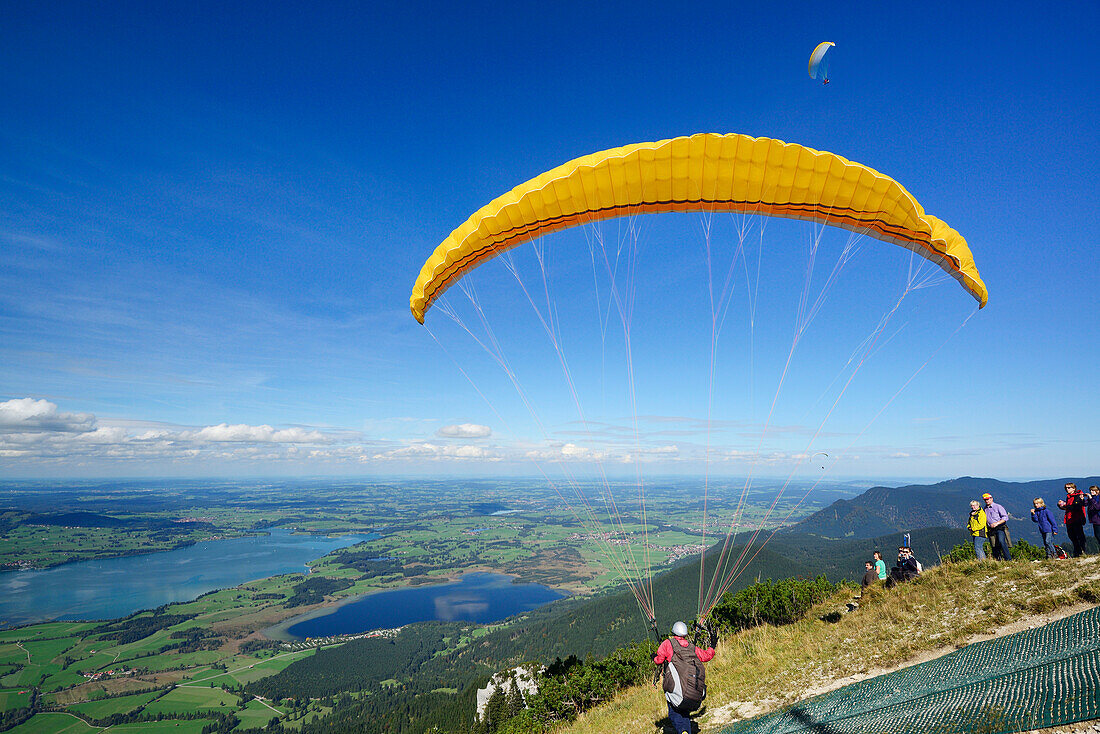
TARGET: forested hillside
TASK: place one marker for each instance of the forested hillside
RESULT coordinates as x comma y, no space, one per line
843,559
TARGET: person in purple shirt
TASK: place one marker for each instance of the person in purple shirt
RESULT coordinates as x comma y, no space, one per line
1048,526
1094,512
997,519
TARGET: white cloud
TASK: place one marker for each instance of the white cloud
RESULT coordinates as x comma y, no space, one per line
37,432
105,435
568,452
652,454
257,434
750,457
439,452
27,415
464,430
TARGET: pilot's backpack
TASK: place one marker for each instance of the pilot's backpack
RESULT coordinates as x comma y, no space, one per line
685,679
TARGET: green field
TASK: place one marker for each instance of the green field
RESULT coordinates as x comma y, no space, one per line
29,675
256,714
44,631
105,707
193,698
56,723
14,699
45,651
61,678
13,654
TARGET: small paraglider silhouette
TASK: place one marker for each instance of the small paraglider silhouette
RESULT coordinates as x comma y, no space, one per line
819,453
819,62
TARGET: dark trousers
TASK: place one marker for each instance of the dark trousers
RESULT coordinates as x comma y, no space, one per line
1077,535
999,540
680,715
1096,532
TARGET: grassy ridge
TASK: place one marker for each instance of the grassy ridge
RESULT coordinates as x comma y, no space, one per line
760,670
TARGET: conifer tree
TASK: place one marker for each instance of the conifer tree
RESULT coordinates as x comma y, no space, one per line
515,699
496,710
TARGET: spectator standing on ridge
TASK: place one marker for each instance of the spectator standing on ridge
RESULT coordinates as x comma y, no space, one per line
880,566
1094,513
685,677
1047,525
977,523
996,518
1074,504
870,576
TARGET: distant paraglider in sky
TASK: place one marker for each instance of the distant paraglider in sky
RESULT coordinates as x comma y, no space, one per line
819,61
822,461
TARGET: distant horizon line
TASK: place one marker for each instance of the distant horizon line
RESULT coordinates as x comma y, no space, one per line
518,477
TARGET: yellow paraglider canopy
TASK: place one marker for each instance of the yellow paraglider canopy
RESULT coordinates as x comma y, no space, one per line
706,172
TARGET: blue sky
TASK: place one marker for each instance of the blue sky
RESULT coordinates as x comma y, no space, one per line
213,215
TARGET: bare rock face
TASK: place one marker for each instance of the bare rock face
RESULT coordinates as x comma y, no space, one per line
525,678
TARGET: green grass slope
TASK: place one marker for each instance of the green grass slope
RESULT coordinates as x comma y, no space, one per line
764,669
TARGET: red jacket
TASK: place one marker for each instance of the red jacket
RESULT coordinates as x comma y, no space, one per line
1074,505
664,652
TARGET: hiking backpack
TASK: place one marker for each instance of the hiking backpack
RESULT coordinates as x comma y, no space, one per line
685,677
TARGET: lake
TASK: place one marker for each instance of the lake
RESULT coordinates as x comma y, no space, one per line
116,587
476,597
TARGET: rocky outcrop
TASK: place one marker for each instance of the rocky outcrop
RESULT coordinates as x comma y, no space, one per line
524,677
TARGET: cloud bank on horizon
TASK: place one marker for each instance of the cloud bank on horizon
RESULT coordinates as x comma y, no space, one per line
37,438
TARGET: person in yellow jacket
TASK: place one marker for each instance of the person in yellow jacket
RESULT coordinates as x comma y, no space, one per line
977,524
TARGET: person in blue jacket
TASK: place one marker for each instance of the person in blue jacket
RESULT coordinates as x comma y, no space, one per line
1047,525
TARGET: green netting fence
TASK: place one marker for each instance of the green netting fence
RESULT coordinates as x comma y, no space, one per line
1043,677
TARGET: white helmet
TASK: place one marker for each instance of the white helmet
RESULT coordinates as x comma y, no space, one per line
680,629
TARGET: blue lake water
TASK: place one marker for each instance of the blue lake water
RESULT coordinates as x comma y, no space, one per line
476,597
115,587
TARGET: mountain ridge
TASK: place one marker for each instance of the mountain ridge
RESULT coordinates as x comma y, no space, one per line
883,510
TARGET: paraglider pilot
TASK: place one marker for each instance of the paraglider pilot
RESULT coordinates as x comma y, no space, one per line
684,675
